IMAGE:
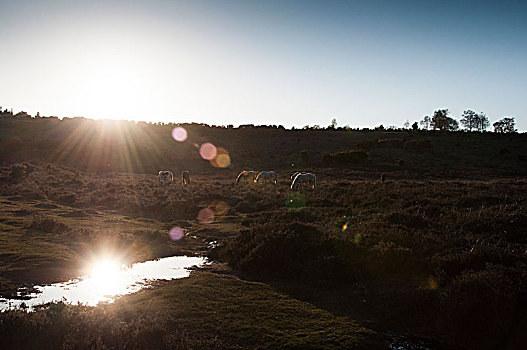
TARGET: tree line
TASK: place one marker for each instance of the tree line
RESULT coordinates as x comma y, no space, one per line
470,120
440,120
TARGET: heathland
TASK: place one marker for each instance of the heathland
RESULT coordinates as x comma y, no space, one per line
433,256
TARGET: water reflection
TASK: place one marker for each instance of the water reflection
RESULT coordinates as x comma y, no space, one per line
107,281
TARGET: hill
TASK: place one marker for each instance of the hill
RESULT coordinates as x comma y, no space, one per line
433,255
122,146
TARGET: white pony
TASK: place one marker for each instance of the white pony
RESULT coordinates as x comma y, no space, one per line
267,175
295,174
304,177
165,176
246,176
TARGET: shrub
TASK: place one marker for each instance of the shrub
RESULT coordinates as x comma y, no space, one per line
479,308
282,250
17,171
417,145
392,143
350,156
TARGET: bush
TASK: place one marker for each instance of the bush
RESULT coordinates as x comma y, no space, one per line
350,156
17,171
281,250
417,145
369,144
480,308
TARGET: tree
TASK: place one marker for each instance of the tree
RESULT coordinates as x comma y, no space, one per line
415,126
469,119
483,122
442,122
425,123
333,124
505,125
406,124
472,120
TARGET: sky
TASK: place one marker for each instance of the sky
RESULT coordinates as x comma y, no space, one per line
290,63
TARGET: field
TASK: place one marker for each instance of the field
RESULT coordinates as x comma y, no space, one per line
435,255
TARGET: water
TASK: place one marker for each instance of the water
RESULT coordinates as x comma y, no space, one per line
106,283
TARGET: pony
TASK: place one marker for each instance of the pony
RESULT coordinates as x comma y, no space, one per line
295,174
246,176
304,177
165,176
269,175
185,178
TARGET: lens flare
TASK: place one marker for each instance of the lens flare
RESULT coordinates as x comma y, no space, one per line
205,216
222,159
220,208
357,238
208,151
432,283
179,134
176,233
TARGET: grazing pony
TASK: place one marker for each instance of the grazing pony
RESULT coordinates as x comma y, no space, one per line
185,178
304,177
165,176
267,175
246,176
295,174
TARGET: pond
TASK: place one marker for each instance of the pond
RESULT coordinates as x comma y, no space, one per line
106,281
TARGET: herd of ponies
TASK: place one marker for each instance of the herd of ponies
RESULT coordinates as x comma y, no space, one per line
250,176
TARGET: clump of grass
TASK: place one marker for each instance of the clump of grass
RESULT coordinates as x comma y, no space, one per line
17,171
48,224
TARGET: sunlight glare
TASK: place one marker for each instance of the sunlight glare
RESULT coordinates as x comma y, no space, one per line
105,275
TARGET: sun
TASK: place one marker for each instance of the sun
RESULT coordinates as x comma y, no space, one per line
111,87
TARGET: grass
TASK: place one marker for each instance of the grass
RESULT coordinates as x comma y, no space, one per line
437,251
427,243
205,311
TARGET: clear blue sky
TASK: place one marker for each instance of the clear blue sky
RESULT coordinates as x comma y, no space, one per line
364,63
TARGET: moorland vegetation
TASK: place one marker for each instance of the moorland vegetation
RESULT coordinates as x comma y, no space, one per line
436,252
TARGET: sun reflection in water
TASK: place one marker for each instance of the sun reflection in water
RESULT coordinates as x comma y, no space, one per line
106,279
106,275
